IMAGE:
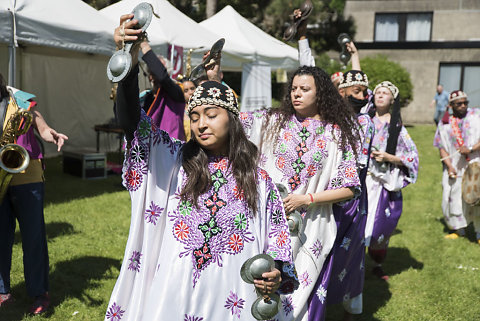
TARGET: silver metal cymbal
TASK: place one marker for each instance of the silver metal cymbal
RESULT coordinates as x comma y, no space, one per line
265,309
254,267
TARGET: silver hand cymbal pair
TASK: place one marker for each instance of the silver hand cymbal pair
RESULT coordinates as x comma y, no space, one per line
120,63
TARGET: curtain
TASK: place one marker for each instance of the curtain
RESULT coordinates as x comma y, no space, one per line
418,27
386,27
471,84
450,77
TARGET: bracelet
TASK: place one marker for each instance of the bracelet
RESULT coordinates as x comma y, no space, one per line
311,198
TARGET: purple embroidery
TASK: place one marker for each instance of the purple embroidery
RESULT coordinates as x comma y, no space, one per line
115,313
235,304
305,279
135,261
192,318
221,223
287,304
153,213
317,248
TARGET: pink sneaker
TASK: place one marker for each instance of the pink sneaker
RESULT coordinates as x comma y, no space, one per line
5,299
41,304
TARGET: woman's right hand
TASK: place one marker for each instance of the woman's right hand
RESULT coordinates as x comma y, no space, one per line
124,33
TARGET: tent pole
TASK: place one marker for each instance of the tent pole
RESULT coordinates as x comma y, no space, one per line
12,50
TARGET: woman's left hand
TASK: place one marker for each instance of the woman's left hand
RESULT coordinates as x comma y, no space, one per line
270,283
294,201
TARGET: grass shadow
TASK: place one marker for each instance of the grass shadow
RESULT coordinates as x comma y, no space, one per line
61,187
398,260
376,292
68,279
53,230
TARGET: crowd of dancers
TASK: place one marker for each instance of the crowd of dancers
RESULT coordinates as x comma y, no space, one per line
202,208
314,185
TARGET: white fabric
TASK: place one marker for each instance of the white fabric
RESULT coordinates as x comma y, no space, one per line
160,278
418,27
386,28
176,28
173,27
305,53
254,43
318,224
72,92
66,24
374,188
456,212
256,86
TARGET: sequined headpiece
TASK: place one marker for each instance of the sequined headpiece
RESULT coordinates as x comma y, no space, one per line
457,94
213,93
387,84
353,78
336,76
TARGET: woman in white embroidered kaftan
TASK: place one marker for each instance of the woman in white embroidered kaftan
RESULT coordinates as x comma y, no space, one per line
192,224
306,145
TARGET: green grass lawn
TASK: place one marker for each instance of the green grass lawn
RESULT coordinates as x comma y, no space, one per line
87,228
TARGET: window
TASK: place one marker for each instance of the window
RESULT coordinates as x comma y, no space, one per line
465,77
403,26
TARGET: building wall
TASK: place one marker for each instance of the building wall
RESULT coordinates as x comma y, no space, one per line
453,20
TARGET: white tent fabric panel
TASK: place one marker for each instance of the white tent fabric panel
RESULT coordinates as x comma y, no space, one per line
254,42
176,28
66,24
72,93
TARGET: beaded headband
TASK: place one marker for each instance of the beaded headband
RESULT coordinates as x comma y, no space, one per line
353,78
213,93
387,84
457,94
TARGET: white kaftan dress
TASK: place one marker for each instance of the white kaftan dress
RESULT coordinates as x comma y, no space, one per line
456,212
182,263
306,158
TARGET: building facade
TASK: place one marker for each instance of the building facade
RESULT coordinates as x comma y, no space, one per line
437,41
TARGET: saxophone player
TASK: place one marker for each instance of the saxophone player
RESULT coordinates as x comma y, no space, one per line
23,201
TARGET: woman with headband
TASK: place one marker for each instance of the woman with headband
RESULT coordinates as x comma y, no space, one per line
199,211
393,166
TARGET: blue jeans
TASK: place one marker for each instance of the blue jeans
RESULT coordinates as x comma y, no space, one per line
25,204
438,115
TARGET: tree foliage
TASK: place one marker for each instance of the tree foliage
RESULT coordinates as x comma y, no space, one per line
379,68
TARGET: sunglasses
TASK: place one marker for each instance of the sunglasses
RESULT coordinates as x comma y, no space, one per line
460,103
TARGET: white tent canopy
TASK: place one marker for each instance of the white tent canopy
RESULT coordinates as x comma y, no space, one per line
64,49
256,45
66,24
176,28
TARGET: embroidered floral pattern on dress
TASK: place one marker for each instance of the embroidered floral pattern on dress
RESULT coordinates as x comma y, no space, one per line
136,158
406,149
192,318
115,313
305,279
153,213
287,303
220,225
135,261
234,304
321,294
317,248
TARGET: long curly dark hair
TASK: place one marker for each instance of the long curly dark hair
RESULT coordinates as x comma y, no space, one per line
331,107
243,161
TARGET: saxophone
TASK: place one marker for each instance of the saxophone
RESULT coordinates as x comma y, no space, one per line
13,157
